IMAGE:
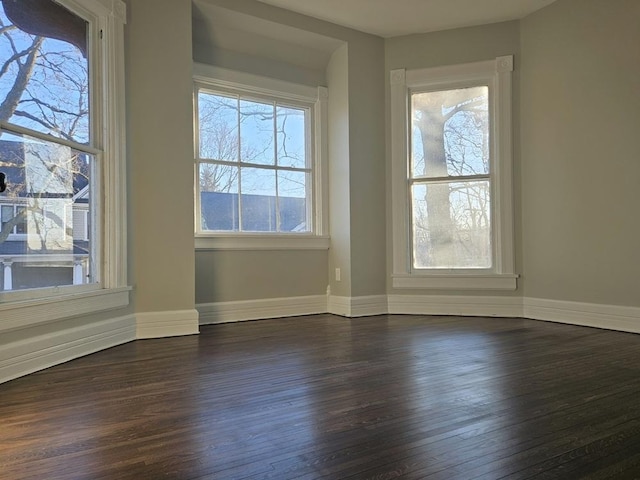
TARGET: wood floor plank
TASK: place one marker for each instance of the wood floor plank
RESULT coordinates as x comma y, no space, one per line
325,397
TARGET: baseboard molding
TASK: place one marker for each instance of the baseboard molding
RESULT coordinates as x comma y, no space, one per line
357,306
224,312
480,306
43,351
611,317
166,324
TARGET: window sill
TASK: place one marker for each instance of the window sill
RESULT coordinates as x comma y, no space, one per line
491,281
23,313
262,242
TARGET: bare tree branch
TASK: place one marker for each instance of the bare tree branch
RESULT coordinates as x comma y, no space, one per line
10,103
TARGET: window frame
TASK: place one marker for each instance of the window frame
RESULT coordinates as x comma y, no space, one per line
254,87
106,76
14,234
496,74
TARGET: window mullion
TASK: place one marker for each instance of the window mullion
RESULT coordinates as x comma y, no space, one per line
277,163
239,203
451,179
253,165
18,130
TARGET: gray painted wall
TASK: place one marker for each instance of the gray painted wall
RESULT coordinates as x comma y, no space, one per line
339,175
575,242
238,275
160,157
353,71
367,166
580,151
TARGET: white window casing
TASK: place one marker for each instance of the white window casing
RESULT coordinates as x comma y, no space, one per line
224,80
496,74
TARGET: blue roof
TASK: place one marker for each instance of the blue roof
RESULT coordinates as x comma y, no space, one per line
220,212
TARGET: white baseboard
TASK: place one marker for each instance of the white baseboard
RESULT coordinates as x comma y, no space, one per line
166,324
357,306
480,306
611,317
223,312
43,351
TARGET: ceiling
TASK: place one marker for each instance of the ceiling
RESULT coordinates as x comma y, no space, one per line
390,18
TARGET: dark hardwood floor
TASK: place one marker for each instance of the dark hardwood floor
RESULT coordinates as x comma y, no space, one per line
384,397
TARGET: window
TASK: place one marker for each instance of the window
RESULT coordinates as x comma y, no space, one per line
258,163
451,177
62,149
13,220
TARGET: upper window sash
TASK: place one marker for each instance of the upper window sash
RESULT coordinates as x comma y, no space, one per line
103,19
496,74
306,106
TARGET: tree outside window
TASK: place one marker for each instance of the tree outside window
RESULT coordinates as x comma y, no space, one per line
452,192
254,170
44,143
450,179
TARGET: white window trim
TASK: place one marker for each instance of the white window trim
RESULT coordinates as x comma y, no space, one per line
29,307
212,76
497,74
263,242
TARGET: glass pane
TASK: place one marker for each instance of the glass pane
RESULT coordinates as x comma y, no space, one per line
450,132
451,225
292,201
257,132
218,197
258,190
218,121
44,82
291,137
21,220
6,215
49,185
418,168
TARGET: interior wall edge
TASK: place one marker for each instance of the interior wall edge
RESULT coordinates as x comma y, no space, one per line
167,323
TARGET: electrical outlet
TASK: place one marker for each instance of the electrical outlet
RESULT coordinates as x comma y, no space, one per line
337,274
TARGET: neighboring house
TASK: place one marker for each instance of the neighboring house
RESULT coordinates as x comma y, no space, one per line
44,237
259,212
